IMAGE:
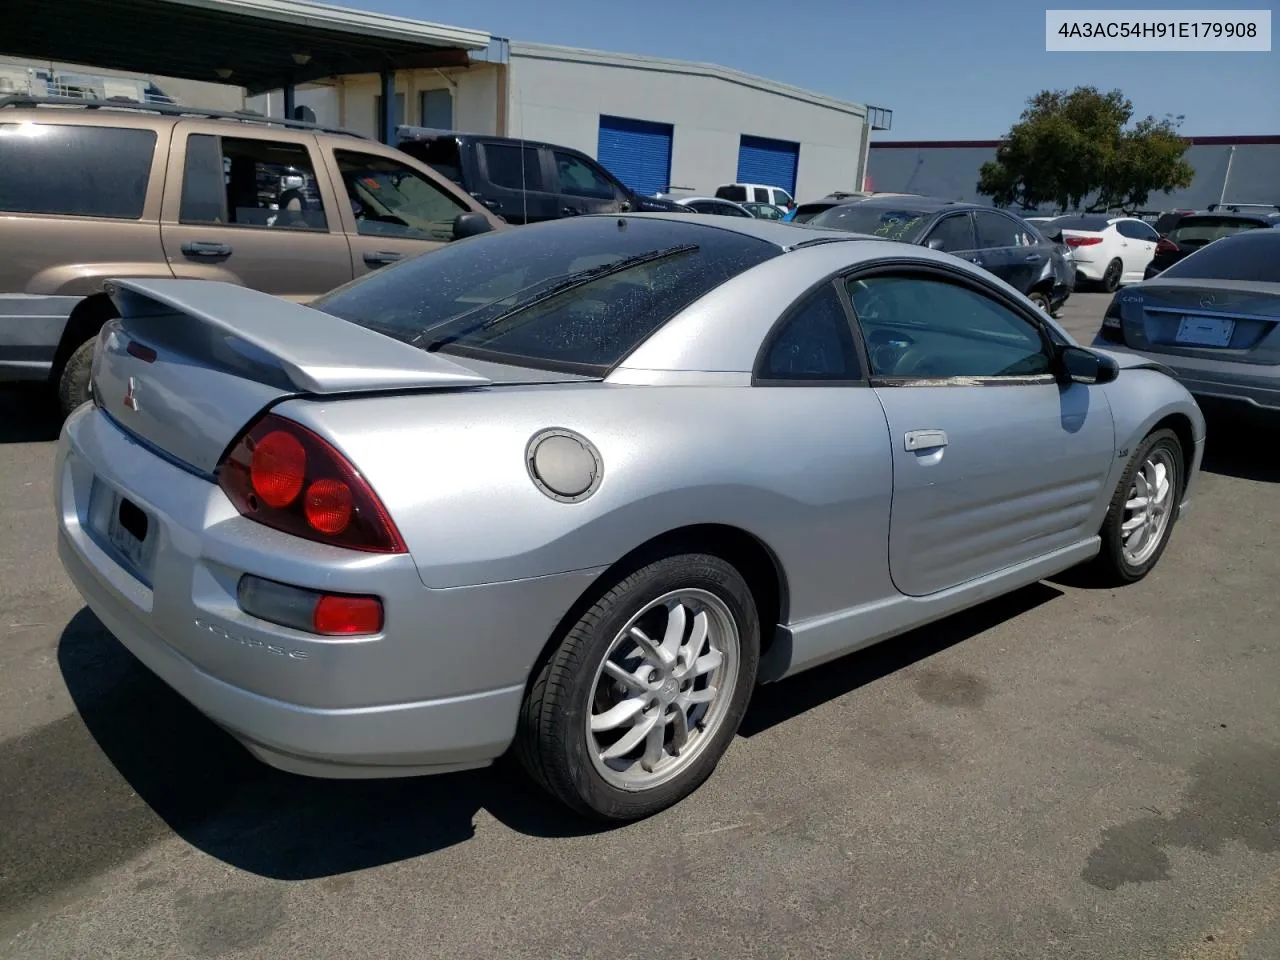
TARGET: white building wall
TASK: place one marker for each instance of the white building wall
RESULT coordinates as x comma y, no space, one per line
558,94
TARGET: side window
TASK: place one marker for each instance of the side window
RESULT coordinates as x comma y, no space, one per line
760,194
513,167
997,230
955,232
781,198
60,169
922,327
250,183
814,343
390,199
579,179
732,192
1136,230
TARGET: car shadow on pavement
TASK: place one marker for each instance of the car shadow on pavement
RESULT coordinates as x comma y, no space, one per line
779,702
28,413
210,791
1232,447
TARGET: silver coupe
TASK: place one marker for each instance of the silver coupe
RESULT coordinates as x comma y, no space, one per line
576,489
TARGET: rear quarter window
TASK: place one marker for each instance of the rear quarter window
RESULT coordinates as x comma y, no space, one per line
75,170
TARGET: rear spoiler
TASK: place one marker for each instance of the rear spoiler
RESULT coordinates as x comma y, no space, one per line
313,351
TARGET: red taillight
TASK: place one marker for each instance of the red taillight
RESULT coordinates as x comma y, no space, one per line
339,616
286,477
1165,245
1082,241
277,468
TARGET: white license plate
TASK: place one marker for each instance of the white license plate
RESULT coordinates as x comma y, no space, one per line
125,527
1206,331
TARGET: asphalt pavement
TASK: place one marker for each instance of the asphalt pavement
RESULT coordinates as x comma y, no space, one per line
1067,772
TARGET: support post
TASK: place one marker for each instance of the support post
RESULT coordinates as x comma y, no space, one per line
289,102
389,118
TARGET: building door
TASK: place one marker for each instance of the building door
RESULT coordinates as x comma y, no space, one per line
771,162
637,152
437,109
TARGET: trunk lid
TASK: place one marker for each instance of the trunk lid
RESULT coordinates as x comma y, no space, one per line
1235,320
189,363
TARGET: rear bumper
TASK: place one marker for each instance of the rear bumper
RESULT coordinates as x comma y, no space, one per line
439,690
30,329
1253,384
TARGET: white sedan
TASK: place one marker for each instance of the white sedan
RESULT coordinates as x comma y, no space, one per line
1109,251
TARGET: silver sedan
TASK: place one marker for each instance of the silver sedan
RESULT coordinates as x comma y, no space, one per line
576,489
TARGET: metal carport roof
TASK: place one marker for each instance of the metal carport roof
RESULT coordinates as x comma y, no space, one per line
265,44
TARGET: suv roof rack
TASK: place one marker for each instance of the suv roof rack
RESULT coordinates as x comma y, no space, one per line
171,110
1235,207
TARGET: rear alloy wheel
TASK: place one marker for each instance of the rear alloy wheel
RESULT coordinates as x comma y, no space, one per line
635,708
1144,509
1111,278
1041,300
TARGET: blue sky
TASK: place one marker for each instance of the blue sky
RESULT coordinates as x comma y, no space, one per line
946,70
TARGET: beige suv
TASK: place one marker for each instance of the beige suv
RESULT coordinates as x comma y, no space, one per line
94,191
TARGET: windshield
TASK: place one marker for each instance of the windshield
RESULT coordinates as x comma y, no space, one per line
555,295
891,223
1197,231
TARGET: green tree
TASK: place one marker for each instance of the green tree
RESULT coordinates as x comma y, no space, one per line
1073,145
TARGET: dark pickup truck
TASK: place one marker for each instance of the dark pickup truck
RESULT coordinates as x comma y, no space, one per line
525,181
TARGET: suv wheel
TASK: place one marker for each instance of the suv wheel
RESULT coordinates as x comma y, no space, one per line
73,381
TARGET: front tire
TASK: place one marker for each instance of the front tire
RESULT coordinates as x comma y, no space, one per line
634,709
1041,300
1143,510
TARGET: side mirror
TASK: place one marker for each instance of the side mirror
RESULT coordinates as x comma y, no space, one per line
469,225
1086,366
935,244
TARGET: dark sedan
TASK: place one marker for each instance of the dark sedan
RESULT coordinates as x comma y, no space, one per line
999,242
1213,318
1196,230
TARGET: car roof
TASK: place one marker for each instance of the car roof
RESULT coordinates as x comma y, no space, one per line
785,236
913,202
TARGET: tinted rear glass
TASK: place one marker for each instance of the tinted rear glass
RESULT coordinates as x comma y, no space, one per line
807,211
1252,257
74,170
588,328
1194,231
440,155
736,194
894,223
1081,223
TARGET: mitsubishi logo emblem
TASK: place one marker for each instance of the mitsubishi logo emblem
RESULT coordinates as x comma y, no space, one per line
1207,301
130,396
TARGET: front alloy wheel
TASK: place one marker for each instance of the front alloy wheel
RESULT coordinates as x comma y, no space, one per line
643,695
1143,509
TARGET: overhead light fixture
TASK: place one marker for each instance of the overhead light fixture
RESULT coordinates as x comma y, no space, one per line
223,73
302,59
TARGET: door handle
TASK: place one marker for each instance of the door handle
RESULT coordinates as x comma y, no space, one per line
571,211
977,260
925,439
381,258
1034,258
206,248
491,204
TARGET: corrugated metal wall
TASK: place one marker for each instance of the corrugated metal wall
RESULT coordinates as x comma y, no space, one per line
951,171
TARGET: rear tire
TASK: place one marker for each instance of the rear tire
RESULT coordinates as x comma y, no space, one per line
1112,276
1144,510
73,380
705,676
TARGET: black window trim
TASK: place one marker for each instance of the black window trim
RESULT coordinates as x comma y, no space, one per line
779,326
962,279
327,229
